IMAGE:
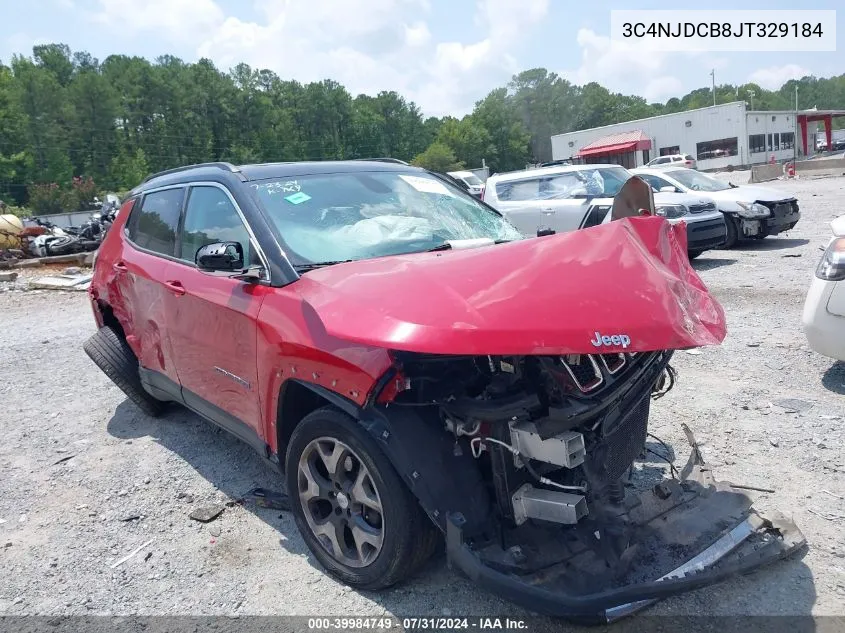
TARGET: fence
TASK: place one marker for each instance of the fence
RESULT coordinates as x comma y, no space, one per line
63,220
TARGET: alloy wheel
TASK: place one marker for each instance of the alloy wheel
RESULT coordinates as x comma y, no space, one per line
341,502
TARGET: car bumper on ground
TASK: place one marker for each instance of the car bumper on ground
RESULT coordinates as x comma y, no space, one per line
705,234
825,331
719,532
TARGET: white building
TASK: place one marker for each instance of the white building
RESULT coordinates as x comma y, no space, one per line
717,137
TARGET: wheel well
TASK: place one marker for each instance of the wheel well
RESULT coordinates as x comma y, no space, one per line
296,400
109,319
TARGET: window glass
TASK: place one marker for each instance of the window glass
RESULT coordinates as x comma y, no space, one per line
473,180
757,143
361,214
655,182
157,221
717,149
211,217
697,181
666,151
787,140
518,190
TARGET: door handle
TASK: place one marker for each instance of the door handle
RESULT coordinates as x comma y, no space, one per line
119,267
548,211
175,287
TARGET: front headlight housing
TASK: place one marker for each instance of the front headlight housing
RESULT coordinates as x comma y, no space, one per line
832,265
753,210
670,211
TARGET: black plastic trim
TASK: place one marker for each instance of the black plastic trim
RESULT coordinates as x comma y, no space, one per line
160,386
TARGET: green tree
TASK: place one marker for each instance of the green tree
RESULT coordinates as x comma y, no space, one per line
127,171
509,142
437,157
469,141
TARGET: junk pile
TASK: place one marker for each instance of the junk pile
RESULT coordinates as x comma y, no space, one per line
39,237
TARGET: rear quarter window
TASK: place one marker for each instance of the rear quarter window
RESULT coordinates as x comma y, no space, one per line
154,224
518,190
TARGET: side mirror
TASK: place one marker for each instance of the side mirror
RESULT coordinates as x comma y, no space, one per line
667,189
545,230
221,257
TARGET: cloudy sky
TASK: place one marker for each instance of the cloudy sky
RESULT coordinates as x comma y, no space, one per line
443,54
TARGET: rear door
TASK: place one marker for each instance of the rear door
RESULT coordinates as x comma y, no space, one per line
212,318
542,201
137,290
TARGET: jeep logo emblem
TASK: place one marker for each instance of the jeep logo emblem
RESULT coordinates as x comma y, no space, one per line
615,339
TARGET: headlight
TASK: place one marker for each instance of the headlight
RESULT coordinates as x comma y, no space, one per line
753,210
671,210
832,265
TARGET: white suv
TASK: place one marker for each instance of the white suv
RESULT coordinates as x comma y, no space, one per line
673,160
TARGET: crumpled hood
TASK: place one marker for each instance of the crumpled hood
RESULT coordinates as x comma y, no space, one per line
751,193
622,286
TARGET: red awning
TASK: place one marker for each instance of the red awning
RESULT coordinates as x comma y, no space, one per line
616,144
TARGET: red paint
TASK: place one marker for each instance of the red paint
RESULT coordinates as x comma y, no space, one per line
335,325
538,296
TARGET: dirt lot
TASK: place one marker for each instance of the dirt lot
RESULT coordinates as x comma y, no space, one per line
130,479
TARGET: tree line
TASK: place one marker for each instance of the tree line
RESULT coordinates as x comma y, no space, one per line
71,124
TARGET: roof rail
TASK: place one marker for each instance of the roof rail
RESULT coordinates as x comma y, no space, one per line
385,160
220,165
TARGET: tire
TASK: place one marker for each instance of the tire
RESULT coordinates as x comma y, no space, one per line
733,232
694,254
61,245
407,535
112,354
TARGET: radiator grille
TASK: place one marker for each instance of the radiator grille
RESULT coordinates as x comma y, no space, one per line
622,443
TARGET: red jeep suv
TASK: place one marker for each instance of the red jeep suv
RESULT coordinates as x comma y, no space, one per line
414,368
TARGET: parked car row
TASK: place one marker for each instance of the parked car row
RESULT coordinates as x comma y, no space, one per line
566,198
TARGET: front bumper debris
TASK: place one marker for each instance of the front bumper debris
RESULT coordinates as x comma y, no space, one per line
684,534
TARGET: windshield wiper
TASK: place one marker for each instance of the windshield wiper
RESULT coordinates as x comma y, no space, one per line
446,246
315,265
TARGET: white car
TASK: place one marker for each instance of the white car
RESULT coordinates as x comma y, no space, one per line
673,160
750,211
824,308
570,197
474,184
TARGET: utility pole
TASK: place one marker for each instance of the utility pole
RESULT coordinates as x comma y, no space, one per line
797,131
713,76
751,95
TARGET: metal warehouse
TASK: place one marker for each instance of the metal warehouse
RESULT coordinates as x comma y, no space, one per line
727,135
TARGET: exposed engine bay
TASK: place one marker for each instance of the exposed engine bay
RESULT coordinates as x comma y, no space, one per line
539,451
555,434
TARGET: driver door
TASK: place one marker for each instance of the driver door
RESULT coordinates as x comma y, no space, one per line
212,318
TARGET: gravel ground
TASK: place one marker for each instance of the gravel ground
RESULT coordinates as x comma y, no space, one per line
129,479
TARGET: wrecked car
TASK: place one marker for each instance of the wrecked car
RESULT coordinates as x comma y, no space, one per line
751,211
570,197
416,368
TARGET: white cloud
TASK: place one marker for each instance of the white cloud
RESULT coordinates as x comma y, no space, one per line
662,88
417,34
774,77
620,66
367,45
179,20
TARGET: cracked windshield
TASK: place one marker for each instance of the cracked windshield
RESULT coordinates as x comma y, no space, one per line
338,217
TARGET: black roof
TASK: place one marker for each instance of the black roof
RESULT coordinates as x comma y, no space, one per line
283,170
226,172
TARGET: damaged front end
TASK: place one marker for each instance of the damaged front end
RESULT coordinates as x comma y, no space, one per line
523,461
